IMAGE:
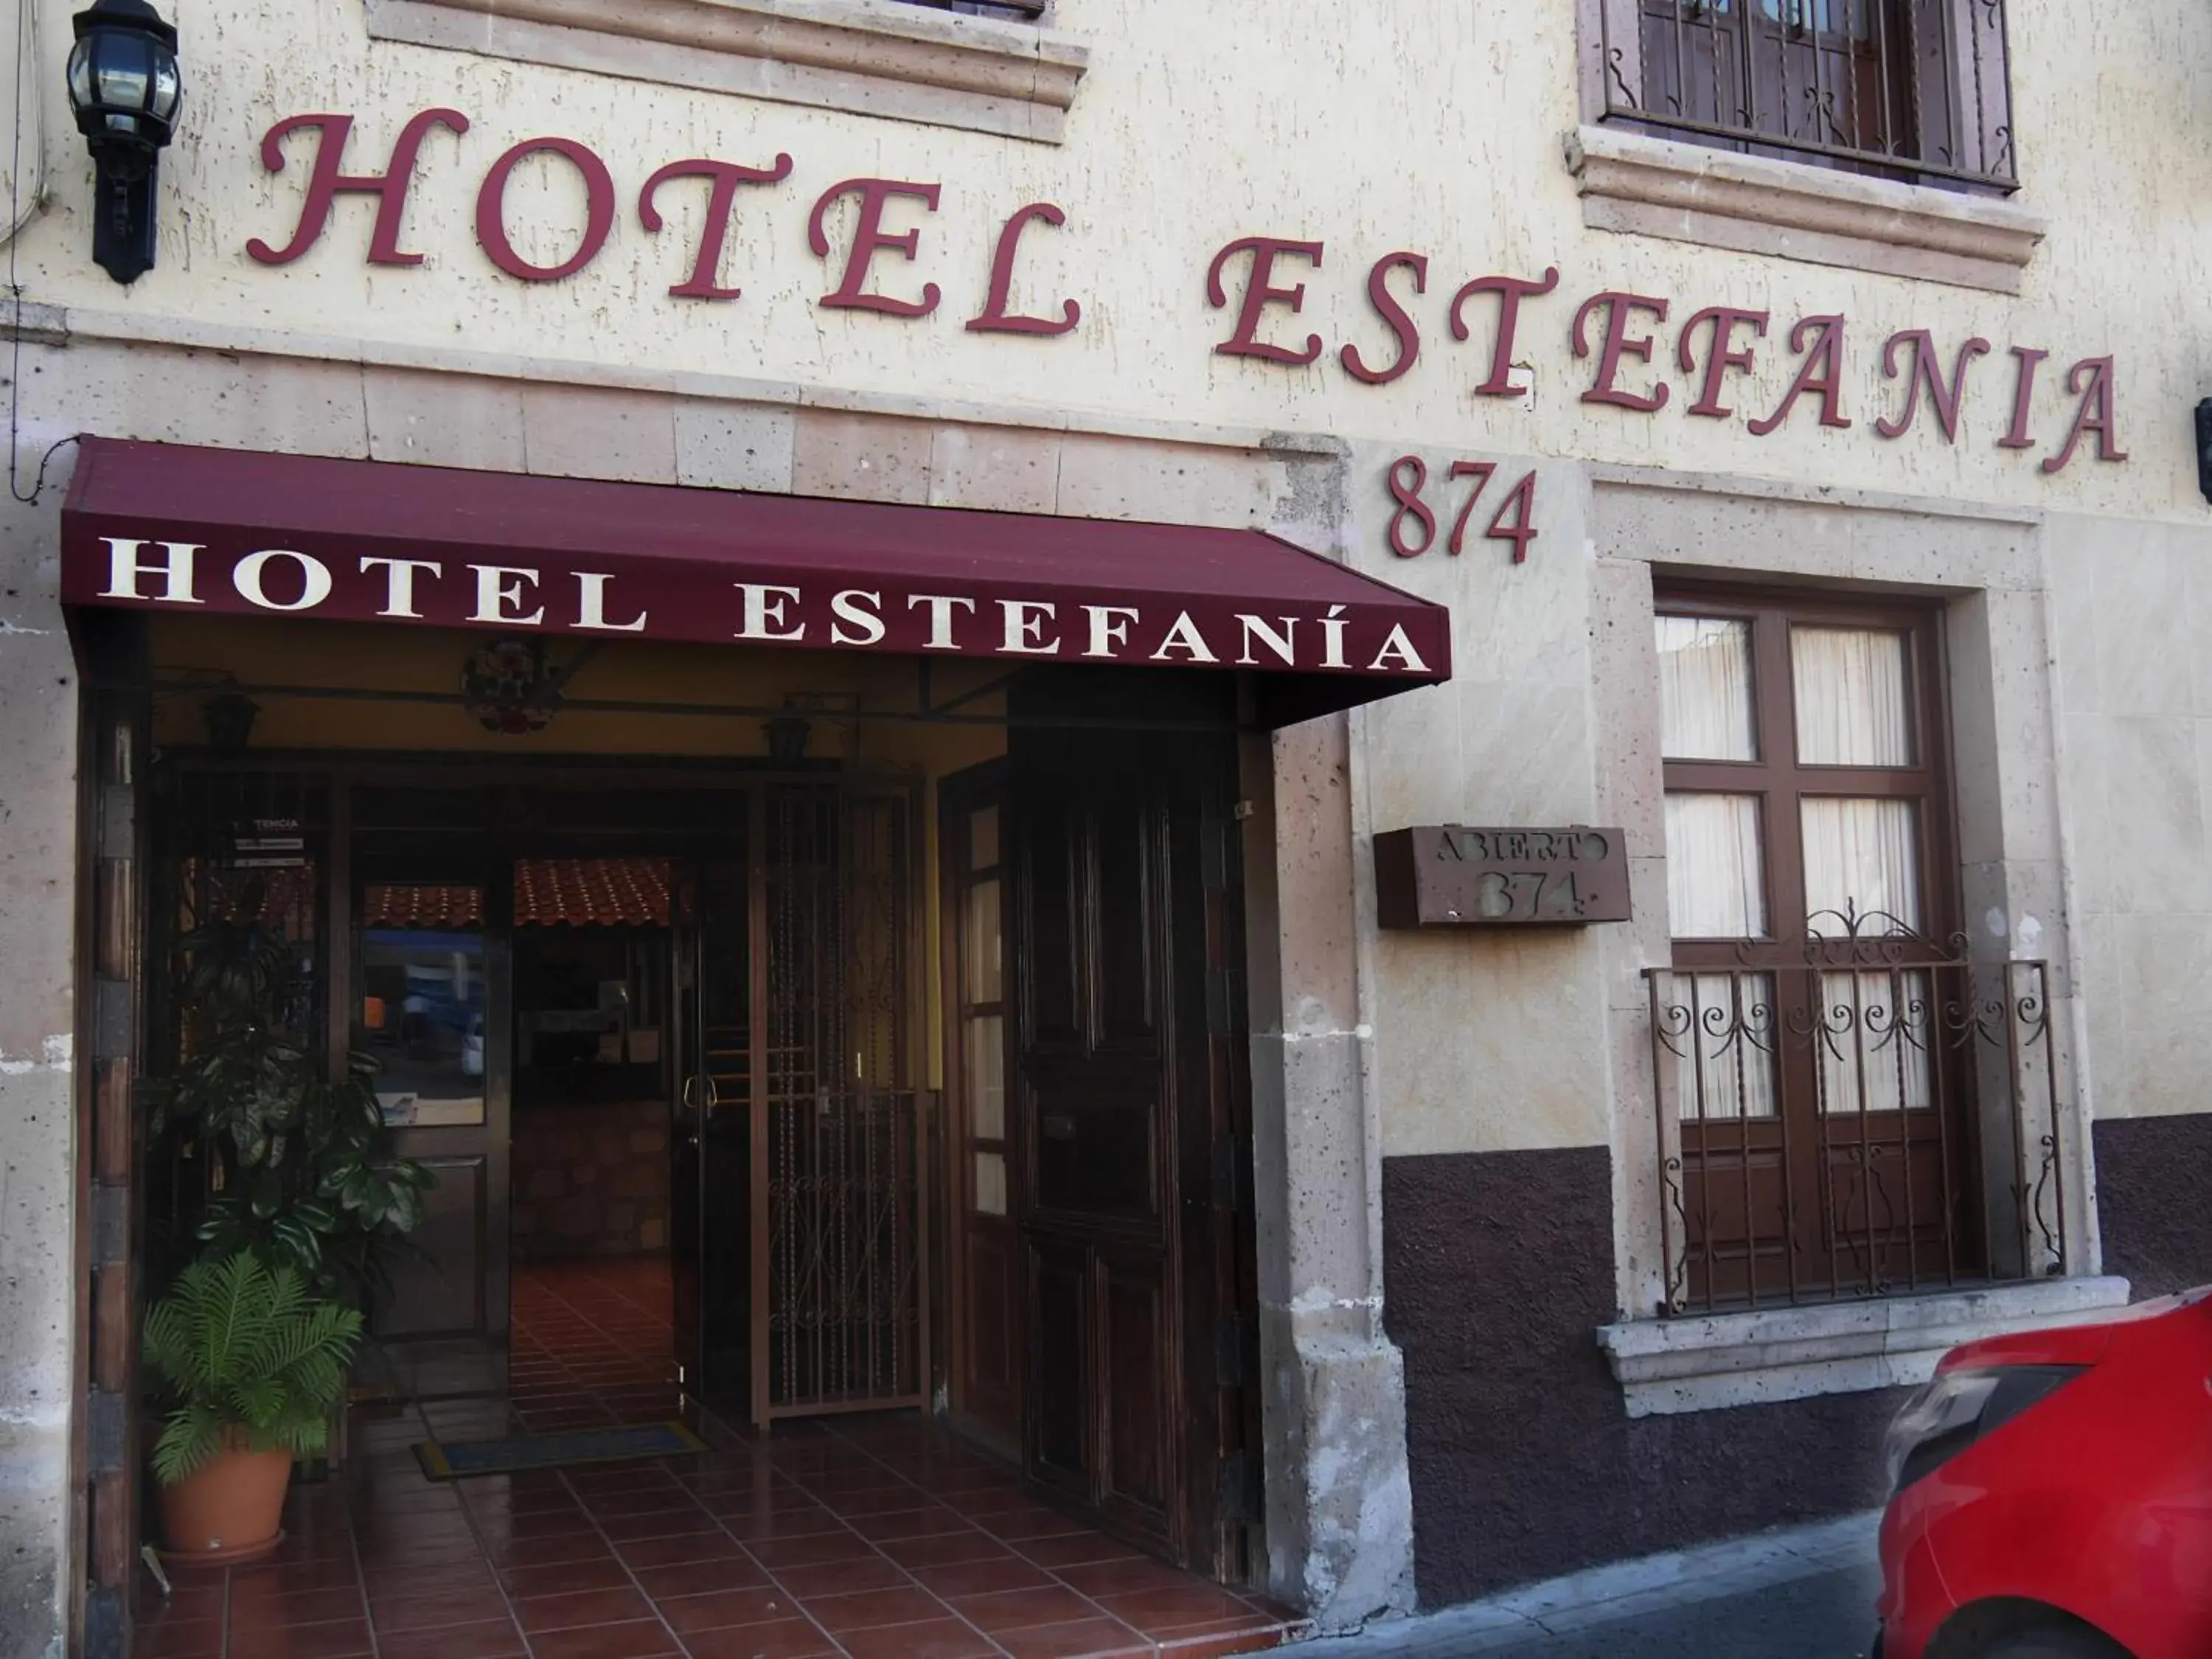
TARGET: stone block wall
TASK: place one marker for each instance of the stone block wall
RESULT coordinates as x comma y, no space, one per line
590,1180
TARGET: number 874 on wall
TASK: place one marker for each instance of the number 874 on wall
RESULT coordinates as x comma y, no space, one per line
1444,505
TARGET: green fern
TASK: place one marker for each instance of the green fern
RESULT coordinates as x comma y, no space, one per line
240,1351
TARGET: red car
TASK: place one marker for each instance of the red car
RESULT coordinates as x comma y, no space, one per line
2051,1495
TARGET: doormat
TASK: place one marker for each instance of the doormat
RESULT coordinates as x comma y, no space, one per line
553,1451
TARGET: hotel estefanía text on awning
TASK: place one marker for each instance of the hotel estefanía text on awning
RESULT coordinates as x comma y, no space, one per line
209,532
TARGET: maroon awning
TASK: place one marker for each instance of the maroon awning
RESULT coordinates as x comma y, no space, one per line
241,533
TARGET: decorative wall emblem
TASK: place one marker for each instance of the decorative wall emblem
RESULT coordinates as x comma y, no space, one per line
509,688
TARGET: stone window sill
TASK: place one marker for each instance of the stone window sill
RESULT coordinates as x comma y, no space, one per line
1642,185
865,56
1670,1365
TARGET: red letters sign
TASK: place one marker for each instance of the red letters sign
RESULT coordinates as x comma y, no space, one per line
1264,283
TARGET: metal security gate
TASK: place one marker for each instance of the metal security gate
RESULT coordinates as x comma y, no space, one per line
840,1302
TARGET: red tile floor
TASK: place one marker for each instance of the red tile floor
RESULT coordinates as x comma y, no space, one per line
868,1537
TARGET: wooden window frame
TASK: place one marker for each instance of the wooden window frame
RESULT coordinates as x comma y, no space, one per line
959,798
1803,1259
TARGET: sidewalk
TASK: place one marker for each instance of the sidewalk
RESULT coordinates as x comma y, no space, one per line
1804,1592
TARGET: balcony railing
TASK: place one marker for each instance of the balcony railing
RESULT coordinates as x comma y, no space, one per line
1917,89
1879,1116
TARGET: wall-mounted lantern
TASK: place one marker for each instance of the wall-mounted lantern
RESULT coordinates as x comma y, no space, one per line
230,716
788,736
124,86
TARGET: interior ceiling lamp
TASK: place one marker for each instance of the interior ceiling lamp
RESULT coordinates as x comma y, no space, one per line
788,736
124,86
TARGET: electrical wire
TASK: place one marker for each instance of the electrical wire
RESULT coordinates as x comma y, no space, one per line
25,46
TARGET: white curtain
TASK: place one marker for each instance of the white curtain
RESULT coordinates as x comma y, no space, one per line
1704,689
986,1053
1877,1024
1852,709
1723,1034
1716,875
1877,1029
1861,853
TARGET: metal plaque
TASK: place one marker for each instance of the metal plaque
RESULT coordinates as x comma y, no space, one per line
1451,876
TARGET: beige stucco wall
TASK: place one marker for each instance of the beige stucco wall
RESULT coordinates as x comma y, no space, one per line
2079,603
1421,125
1195,124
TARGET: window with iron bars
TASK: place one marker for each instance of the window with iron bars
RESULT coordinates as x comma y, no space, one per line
1912,89
1018,11
1851,1102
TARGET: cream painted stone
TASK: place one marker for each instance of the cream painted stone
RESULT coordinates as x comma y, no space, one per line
2071,557
574,434
2099,982
2144,603
2192,551
1520,622
866,456
1646,940
38,1044
1311,509
1117,478
727,446
1948,550
1690,530
871,59
2156,830
1340,1517
1525,753
2004,740
1364,1043
444,420
1674,1366
1147,347
1483,1041
1490,753
301,408
1624,666
1639,1186
2084,741
23,170
1313,855
2165,962
996,469
1632,181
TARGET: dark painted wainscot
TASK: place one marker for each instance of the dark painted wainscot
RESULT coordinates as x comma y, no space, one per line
2154,1200
1500,1271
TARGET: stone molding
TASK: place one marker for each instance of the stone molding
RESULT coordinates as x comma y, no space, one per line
864,57
46,324
1632,183
1666,1366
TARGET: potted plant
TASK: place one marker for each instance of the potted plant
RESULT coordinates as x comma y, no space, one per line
298,1178
249,1368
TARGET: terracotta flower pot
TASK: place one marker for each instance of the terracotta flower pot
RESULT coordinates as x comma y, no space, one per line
230,1510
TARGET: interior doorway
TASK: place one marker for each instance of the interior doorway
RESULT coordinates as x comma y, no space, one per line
906,1093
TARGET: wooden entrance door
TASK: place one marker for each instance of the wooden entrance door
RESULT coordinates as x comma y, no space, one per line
1127,1087
986,1254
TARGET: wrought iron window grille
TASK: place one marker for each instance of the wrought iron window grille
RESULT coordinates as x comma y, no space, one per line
1918,90
1879,1116
1017,11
